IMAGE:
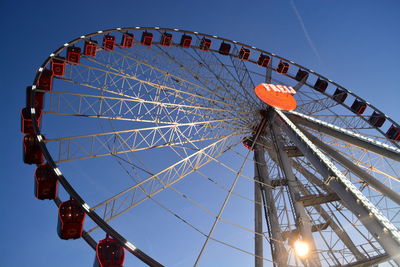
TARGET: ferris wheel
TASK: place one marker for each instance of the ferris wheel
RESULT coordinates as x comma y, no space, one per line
186,148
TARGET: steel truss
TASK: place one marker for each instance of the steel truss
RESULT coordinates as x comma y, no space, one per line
385,232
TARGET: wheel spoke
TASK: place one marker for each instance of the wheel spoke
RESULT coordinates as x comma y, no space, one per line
163,179
165,82
218,217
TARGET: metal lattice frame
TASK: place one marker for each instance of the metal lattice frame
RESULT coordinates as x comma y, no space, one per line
323,172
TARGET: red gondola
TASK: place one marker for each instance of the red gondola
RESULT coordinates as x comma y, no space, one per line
37,101
58,66
127,40
108,42
244,53
224,48
70,220
46,80
320,85
109,253
90,48
248,142
186,41
46,183
147,39
283,67
377,119
32,152
73,54
339,95
205,44
393,133
301,74
359,106
26,120
263,60
166,39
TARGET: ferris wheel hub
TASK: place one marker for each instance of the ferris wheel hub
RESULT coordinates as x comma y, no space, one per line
278,96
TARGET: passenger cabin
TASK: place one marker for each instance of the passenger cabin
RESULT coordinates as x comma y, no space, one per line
90,48
166,39
263,60
108,42
377,119
301,75
186,41
283,67
45,80
32,153
393,133
46,183
244,53
147,38
73,54
339,95
27,122
248,142
205,44
320,85
127,40
38,98
224,48
358,106
70,220
58,66
109,253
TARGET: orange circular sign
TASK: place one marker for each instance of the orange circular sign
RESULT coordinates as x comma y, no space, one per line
278,96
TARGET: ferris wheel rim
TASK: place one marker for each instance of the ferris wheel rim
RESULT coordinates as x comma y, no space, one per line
65,182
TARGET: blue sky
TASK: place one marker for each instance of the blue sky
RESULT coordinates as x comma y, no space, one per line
355,43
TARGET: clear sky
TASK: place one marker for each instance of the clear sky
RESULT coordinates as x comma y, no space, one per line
355,43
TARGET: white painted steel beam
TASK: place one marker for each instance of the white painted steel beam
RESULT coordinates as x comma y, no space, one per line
346,135
377,224
303,221
363,175
280,254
